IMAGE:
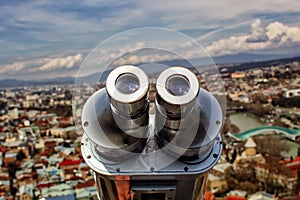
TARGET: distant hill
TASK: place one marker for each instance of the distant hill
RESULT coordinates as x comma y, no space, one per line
21,83
259,64
246,57
93,78
231,62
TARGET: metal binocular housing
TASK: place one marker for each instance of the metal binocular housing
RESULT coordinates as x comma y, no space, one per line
151,150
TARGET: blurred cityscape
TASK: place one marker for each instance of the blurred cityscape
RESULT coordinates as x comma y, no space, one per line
40,133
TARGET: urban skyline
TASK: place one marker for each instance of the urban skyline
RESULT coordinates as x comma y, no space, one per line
40,136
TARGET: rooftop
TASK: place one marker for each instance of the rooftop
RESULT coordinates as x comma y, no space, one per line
250,143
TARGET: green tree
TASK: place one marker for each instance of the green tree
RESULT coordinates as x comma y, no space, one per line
245,170
271,147
231,179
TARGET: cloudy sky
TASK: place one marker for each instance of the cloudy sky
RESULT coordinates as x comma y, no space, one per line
44,39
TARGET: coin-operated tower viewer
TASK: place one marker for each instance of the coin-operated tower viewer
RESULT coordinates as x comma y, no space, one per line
162,154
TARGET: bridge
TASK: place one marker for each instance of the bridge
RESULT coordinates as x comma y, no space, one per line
292,134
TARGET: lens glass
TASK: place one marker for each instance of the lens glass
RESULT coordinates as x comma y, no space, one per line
127,83
178,85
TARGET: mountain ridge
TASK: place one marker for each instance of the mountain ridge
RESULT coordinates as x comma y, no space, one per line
222,61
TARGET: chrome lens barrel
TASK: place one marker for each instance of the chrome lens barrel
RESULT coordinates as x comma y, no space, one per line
177,89
116,119
127,87
179,117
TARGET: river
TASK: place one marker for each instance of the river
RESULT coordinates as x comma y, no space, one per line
245,121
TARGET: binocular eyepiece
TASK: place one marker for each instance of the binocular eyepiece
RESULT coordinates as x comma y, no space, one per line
117,118
127,87
122,138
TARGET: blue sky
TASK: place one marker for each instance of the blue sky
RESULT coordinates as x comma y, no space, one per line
44,39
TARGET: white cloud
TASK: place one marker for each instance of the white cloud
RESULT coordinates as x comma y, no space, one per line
11,68
210,14
261,37
148,58
81,25
42,66
59,24
62,62
258,33
43,27
283,33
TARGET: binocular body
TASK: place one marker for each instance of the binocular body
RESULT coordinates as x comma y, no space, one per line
161,155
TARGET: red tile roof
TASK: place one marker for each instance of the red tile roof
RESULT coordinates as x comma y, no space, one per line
69,162
84,185
235,198
3,149
44,185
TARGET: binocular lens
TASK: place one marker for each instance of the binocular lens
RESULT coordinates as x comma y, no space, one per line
178,85
177,90
127,87
127,83
177,114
